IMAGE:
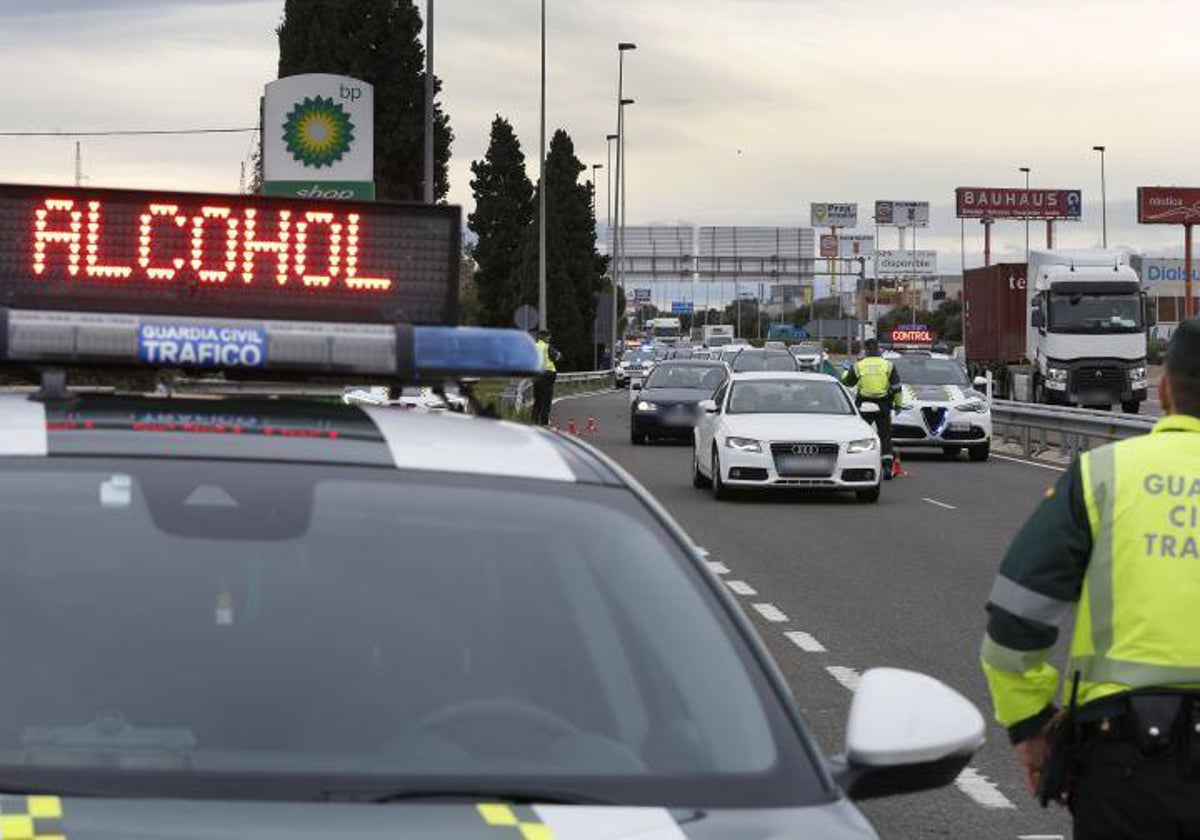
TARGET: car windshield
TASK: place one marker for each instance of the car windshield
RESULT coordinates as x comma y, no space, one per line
639,357
687,377
919,371
1105,313
807,348
306,624
750,362
719,340
788,396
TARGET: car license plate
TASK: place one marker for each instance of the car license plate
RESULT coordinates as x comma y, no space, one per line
804,465
679,417
960,426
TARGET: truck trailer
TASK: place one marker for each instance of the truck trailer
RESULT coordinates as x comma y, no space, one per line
1071,322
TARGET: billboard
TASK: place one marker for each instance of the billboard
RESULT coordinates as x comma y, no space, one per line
902,213
682,307
829,246
318,138
856,245
641,295
1169,205
903,264
835,215
236,256
1005,203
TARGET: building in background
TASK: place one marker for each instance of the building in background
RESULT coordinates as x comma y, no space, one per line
1163,281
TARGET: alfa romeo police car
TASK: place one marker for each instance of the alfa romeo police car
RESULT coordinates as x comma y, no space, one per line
941,408
280,617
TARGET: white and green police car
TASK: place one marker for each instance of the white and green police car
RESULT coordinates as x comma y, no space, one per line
941,407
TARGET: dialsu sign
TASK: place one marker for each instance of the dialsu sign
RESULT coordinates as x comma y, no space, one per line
175,253
1005,203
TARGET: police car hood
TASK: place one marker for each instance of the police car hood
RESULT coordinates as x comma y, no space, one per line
117,819
938,395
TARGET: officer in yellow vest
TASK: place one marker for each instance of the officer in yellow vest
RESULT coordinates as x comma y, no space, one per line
543,386
1117,542
878,383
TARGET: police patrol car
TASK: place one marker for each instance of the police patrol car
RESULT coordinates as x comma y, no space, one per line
272,617
942,408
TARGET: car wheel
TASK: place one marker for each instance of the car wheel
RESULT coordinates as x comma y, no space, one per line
698,479
868,496
979,454
1131,407
952,451
637,438
719,490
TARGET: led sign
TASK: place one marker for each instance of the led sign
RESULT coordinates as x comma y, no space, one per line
227,255
918,335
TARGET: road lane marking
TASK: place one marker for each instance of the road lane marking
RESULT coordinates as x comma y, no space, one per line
582,396
717,567
939,504
1029,463
805,641
740,587
982,789
848,677
1040,837
771,613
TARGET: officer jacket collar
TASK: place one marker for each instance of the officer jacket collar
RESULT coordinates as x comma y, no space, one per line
1178,423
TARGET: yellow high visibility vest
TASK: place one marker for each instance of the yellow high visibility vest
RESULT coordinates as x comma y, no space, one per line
874,377
544,353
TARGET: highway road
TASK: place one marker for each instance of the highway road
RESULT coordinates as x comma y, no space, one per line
835,588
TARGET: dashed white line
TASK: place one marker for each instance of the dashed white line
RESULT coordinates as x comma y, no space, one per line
740,587
1029,463
848,677
1040,837
805,641
939,504
982,789
718,568
771,613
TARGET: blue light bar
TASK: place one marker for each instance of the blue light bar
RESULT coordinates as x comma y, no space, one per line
473,351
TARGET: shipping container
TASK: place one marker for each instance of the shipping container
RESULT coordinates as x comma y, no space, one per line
995,314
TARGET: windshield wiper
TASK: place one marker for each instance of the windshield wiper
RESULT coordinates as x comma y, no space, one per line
515,796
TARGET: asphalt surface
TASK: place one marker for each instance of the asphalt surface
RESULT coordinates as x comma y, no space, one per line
902,583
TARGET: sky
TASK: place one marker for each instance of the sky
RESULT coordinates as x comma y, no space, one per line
746,110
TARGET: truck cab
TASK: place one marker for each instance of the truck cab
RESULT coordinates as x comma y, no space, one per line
1086,332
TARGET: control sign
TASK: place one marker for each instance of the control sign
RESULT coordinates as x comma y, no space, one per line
236,256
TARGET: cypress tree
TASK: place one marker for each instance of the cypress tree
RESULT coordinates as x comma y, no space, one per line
376,41
503,213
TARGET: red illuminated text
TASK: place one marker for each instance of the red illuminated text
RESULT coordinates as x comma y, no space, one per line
213,245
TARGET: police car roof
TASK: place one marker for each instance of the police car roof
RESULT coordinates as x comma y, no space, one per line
292,431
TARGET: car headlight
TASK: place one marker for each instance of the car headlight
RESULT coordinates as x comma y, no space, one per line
1137,373
1056,374
646,405
973,407
743,444
864,445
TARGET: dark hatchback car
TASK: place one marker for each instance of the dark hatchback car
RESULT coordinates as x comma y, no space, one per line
668,402
752,360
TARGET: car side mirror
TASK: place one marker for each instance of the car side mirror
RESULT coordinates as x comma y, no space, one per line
708,406
868,408
1036,319
907,732
636,384
980,382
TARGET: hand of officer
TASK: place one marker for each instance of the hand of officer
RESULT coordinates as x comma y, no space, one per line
1032,754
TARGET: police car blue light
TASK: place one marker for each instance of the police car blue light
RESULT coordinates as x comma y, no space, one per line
473,351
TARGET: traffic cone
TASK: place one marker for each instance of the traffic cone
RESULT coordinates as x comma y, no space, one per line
572,429
898,470
554,427
592,428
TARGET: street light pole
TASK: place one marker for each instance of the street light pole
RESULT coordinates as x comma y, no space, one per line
596,167
1025,169
1103,195
611,245
429,173
618,179
543,322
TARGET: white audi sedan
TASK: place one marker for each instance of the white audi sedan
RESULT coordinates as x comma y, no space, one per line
773,430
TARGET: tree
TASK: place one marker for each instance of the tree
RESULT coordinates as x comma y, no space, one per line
376,41
574,269
503,213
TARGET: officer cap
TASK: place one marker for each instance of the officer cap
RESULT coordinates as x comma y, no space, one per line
1183,356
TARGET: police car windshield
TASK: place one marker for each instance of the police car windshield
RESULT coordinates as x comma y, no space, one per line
788,396
352,622
915,370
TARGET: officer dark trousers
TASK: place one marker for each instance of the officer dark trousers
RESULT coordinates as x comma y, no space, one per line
543,397
1130,790
882,421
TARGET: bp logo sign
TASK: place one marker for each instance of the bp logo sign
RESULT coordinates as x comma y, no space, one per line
318,132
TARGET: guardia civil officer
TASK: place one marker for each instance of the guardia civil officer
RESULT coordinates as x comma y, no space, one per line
1116,542
878,383
543,386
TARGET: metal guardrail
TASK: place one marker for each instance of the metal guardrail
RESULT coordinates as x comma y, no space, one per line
519,392
1039,428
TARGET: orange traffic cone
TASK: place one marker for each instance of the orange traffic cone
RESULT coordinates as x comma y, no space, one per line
592,428
898,470
554,427
572,429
